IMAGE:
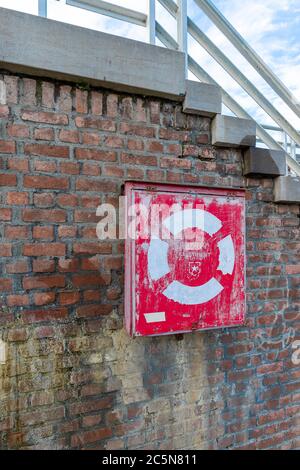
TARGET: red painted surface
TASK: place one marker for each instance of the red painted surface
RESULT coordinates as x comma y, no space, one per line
203,288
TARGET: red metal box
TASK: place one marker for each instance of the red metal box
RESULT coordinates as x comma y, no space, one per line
185,258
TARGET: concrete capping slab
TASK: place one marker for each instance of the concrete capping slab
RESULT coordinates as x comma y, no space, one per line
287,189
202,98
265,162
42,47
228,131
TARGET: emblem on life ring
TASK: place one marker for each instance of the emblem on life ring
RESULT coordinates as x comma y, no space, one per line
158,266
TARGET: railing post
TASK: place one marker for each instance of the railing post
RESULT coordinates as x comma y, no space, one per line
182,34
43,8
151,21
293,149
285,142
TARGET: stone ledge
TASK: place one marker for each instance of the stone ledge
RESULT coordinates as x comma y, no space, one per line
264,162
287,189
228,131
202,98
42,47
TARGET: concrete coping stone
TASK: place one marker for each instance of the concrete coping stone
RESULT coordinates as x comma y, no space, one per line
228,131
287,189
264,162
202,98
42,47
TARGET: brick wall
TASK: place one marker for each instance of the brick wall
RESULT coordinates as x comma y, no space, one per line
73,378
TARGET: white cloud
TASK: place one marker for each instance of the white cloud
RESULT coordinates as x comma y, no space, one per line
27,6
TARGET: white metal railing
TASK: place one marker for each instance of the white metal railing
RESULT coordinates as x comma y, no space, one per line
289,139
109,9
290,146
43,8
250,55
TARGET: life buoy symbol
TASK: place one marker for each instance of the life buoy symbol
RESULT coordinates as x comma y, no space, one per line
158,265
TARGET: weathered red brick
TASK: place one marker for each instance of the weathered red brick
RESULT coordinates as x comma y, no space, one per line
84,280
91,169
114,141
45,166
44,133
138,159
85,216
44,215
67,265
44,249
65,98
112,105
5,285
45,182
44,298
93,310
16,232
7,146
135,173
92,248
48,314
96,102
90,264
18,334
93,154
48,94
18,130
43,265
138,130
69,298
86,184
28,96
69,136
81,103
91,295
70,168
17,267
113,170
12,84
43,199
17,198
91,138
67,200
168,162
18,164
17,300
4,111
43,232
57,151
155,146
67,231
293,269
90,406
43,282
45,117
113,262
135,144
96,123
5,249
90,436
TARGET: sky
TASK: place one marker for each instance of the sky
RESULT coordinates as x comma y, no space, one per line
271,27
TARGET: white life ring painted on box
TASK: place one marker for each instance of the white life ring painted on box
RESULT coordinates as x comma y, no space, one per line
158,265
